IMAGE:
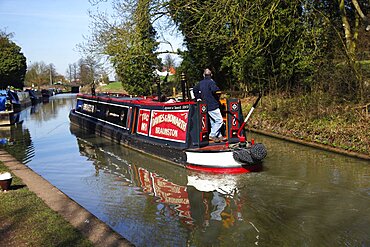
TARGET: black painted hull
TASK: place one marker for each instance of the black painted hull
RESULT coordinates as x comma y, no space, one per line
177,156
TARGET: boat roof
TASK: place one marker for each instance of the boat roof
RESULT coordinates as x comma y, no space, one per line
119,98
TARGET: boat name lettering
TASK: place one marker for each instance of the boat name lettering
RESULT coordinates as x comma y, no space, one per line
144,126
166,132
169,118
143,122
174,200
88,107
145,117
181,107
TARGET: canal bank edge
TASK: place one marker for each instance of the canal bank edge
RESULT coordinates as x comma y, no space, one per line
312,144
90,226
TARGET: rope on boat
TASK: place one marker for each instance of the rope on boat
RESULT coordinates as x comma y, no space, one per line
252,155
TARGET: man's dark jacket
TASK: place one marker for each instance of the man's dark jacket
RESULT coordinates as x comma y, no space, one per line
206,90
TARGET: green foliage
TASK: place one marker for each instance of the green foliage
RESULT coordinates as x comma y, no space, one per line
112,87
272,46
247,43
130,44
12,63
276,46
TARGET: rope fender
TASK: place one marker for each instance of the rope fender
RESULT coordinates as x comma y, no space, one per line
252,155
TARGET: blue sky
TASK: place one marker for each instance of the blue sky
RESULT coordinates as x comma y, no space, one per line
48,30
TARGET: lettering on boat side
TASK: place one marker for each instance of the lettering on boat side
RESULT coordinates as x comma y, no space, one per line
169,125
88,108
143,122
177,107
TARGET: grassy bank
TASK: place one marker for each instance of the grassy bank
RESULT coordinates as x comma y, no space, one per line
111,87
25,220
314,118
114,87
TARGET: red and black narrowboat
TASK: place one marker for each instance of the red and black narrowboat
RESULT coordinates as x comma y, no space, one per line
175,131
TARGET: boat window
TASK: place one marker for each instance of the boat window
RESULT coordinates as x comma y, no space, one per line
117,115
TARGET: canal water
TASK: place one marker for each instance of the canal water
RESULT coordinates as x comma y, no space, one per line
302,197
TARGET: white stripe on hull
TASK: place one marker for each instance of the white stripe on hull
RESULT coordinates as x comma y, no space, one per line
213,159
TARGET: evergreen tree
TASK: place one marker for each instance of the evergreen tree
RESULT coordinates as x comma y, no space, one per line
136,69
12,63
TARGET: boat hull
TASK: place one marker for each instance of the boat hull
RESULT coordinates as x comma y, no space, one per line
219,160
8,118
109,131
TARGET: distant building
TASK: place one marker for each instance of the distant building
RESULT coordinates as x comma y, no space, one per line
164,71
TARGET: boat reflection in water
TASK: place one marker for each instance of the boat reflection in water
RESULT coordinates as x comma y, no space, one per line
17,139
215,207
204,198
207,205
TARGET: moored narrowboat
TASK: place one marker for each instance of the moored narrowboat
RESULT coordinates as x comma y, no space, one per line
35,96
9,108
175,131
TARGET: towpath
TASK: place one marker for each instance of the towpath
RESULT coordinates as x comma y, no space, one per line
94,229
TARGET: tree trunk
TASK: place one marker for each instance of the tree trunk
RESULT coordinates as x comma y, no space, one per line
346,27
361,14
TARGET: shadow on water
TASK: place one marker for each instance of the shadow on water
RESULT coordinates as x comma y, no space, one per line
302,197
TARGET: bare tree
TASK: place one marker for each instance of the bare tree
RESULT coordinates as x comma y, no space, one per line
89,70
52,73
38,74
169,61
69,73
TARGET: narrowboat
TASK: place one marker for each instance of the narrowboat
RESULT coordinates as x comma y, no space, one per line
9,108
22,100
46,94
35,96
19,100
175,131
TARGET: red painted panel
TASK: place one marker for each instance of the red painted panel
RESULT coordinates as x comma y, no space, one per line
143,122
169,125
